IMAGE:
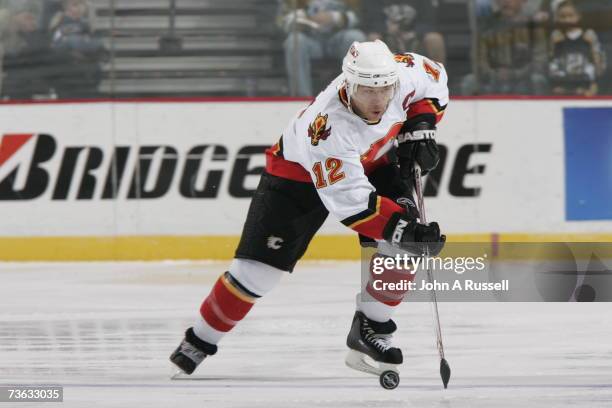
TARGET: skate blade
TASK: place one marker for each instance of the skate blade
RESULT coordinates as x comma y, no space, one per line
176,373
364,363
179,375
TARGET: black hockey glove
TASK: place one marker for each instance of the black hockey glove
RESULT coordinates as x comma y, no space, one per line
412,211
405,232
417,145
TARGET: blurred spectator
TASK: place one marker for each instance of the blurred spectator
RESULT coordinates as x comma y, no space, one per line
23,50
4,34
577,59
594,14
511,54
78,51
483,8
531,8
49,11
316,29
405,25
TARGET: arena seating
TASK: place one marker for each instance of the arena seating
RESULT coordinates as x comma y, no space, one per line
212,47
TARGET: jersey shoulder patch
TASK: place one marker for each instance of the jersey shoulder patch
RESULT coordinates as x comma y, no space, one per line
318,130
405,58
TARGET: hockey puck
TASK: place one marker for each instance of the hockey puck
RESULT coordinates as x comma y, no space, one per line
389,380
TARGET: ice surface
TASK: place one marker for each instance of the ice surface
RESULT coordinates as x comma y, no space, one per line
105,330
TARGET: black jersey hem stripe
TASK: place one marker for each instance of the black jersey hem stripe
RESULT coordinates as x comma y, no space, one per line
372,209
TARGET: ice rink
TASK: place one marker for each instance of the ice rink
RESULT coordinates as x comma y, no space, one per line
105,330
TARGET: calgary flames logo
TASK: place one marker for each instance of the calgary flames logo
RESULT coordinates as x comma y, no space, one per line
317,130
407,59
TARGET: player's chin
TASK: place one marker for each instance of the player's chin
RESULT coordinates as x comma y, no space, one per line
376,115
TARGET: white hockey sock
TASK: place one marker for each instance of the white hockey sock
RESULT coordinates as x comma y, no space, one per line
257,277
375,310
207,333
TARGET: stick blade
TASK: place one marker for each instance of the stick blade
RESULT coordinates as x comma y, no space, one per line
445,372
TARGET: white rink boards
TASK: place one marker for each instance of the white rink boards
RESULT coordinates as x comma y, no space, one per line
174,181
104,331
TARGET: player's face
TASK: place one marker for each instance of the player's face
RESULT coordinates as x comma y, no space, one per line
371,103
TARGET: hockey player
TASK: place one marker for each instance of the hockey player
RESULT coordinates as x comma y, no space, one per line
336,156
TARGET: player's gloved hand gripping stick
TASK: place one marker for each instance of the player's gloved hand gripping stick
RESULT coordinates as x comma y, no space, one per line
417,148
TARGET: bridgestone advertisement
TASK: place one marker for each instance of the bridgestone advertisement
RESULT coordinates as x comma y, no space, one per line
189,169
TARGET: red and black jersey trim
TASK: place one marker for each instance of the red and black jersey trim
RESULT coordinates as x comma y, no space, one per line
277,149
428,107
372,203
277,165
372,222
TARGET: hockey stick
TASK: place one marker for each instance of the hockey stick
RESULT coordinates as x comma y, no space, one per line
445,371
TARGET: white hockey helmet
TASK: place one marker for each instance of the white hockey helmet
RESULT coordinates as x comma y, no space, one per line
369,63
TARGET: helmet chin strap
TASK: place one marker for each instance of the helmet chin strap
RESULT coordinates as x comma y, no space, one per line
349,97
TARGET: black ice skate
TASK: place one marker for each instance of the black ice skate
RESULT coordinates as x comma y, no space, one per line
191,352
371,351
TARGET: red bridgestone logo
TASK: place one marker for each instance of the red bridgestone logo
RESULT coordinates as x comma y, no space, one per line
10,143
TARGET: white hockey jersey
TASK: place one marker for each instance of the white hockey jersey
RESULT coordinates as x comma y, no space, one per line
332,147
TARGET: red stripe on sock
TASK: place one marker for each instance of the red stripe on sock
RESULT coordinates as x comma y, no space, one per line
222,309
212,318
388,276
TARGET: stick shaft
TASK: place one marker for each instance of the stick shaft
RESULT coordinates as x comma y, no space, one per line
418,184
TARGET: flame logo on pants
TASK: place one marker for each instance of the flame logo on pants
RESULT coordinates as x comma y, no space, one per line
317,130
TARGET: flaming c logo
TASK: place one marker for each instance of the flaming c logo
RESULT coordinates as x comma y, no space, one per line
317,130
407,59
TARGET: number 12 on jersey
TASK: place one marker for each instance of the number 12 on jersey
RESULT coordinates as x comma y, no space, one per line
334,175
